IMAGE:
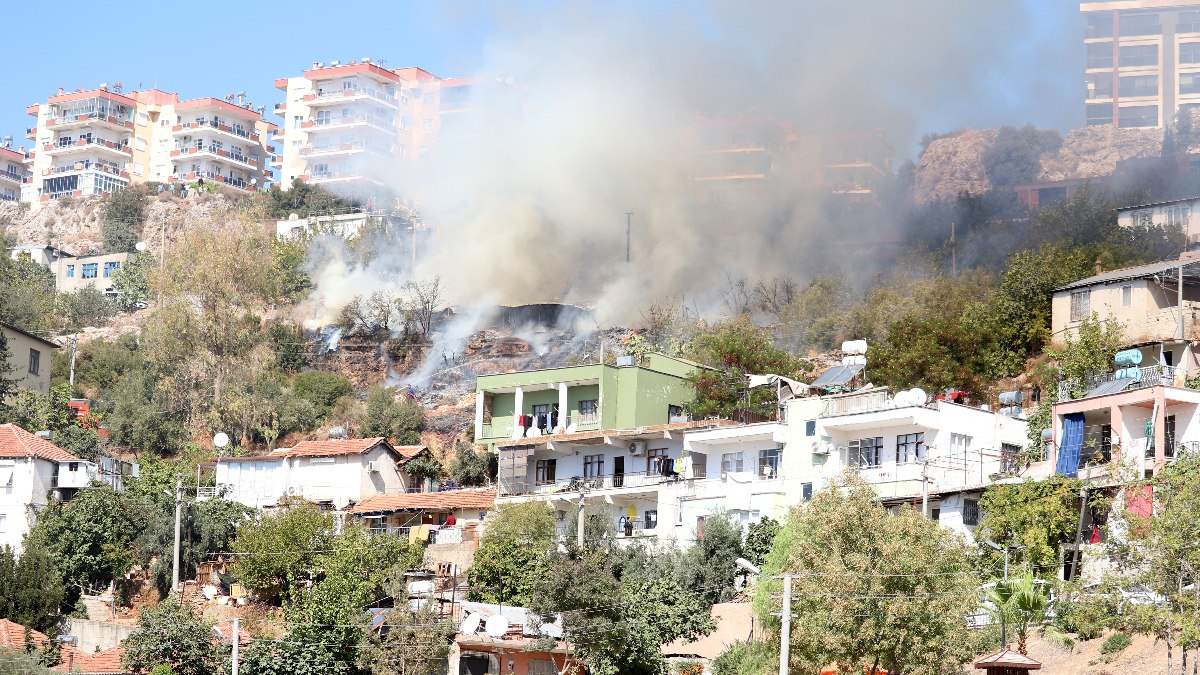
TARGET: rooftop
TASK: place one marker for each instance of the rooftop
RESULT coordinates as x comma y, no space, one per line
655,429
16,443
1137,272
428,501
29,335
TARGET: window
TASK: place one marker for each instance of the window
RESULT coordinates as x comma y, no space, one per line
654,460
1138,55
970,512
651,519
542,667
427,125
1139,24
1010,454
1138,85
1100,55
143,119
110,267
806,491
89,270
1169,436
1127,295
297,120
589,412
910,447
544,471
960,445
1189,52
1099,114
1099,25
866,451
139,144
1189,83
1181,215
731,462
1189,22
810,427
768,462
1132,117
73,466
70,271
675,413
35,361
1081,305
593,466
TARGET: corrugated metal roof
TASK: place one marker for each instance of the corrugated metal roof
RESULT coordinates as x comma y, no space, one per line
1139,272
1153,204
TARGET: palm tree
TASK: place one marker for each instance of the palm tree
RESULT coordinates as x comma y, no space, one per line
1025,604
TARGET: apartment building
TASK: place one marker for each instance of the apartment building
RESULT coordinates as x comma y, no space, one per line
94,142
12,173
28,359
73,273
1143,61
582,398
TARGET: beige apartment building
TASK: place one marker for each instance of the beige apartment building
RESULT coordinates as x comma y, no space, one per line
12,173
72,274
93,142
1143,61
28,359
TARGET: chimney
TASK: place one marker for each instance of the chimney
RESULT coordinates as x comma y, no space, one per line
1099,266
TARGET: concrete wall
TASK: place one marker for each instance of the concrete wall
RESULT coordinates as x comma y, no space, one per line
25,494
70,279
97,635
1150,315
21,361
341,479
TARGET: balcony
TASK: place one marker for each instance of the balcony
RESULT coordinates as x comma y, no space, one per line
339,149
364,122
218,153
1146,376
100,118
88,145
327,177
88,165
281,109
196,126
12,176
31,133
193,176
351,95
632,481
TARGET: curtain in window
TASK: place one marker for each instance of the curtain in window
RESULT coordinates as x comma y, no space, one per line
1072,443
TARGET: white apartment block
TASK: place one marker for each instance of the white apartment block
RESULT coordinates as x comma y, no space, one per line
12,174
90,143
349,126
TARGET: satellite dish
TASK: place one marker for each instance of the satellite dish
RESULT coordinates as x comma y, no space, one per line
919,396
140,246
221,439
496,626
470,625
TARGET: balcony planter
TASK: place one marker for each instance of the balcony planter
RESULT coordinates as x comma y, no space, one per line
124,174
48,148
306,125
177,127
78,166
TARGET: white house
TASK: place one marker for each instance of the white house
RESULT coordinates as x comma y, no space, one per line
333,472
34,471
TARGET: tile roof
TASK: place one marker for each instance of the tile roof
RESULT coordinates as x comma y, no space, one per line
12,636
329,448
1006,658
15,442
450,499
586,435
107,662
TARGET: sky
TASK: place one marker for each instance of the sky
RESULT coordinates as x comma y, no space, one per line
218,49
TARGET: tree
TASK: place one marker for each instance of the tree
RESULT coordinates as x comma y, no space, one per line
26,295
422,299
87,307
171,634
1035,517
708,568
31,590
22,663
132,283
735,349
1090,352
8,384
747,658
1024,604
322,389
514,552
425,465
277,550
759,538
470,466
413,643
288,657
88,538
80,441
399,420
303,200
288,343
871,589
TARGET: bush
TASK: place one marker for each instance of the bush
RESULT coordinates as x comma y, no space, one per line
400,421
322,389
86,307
124,214
470,467
1117,642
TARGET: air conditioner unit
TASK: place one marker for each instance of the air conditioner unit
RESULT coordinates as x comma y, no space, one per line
637,448
819,448
372,467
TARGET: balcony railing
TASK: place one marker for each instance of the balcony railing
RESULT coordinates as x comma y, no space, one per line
11,175
380,122
1147,376
209,124
869,401
121,146
89,165
634,480
377,94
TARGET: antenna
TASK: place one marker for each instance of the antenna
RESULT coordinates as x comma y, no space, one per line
6,142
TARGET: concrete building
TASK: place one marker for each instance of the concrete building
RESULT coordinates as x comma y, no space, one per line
94,142
423,516
72,274
519,650
336,473
1174,213
582,398
12,173
45,255
29,359
1143,61
1144,299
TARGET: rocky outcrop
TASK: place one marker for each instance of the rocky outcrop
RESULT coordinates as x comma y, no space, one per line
953,166
1094,151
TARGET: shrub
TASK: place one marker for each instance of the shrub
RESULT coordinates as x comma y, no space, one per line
323,389
1117,642
124,214
400,421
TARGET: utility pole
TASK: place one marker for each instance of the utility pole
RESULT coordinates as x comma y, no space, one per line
579,533
785,634
953,252
1182,331
236,639
178,516
162,259
925,487
628,226
74,344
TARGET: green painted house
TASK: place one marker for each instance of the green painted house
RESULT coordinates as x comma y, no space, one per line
582,398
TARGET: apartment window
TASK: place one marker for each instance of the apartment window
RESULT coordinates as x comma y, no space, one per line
1100,85
90,270
139,144
768,462
110,267
910,447
70,271
402,121
1137,116
1189,53
1189,22
589,412
544,471
1100,55
866,451
810,427
1139,24
806,491
1180,216
1138,85
731,462
1081,305
1099,25
650,520
542,667
1010,454
137,168
654,459
1138,55
297,120
427,125
35,361
1127,295
960,445
143,119
1169,436
593,466
970,512
1099,114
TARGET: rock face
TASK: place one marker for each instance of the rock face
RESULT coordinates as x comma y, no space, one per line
1094,151
952,166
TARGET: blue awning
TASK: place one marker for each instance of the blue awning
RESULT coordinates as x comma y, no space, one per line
1072,444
